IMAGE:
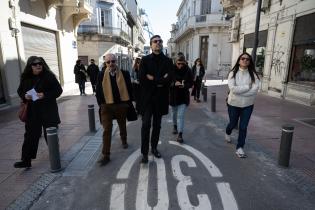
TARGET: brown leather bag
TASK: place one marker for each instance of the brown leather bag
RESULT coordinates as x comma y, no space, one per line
23,111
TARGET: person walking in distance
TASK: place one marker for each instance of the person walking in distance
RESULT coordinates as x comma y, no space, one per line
93,71
42,111
113,92
243,82
179,95
198,73
135,81
80,76
155,76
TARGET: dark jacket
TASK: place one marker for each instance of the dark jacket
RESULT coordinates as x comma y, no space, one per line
93,71
201,74
180,95
46,109
99,87
79,71
155,92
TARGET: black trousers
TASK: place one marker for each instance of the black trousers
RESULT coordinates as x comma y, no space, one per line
145,129
33,132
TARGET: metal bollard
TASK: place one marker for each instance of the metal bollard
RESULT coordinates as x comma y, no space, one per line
204,93
285,145
213,102
53,147
91,118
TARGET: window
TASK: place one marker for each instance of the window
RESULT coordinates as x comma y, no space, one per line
303,64
105,18
205,7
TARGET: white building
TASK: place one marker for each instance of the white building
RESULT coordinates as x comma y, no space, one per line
115,27
286,48
202,32
38,27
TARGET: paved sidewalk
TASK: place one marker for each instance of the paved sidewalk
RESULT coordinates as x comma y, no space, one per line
74,116
264,134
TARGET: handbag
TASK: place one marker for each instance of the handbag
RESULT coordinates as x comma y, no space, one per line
131,112
23,111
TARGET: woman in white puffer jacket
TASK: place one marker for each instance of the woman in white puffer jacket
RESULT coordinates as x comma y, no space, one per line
243,82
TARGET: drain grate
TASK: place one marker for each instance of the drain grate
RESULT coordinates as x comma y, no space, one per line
25,200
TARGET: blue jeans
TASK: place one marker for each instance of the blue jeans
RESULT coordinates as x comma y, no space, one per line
236,113
178,116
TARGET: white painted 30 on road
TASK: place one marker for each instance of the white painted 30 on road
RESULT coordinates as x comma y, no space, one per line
117,200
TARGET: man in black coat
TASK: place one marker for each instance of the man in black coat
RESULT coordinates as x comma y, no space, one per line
92,71
155,75
113,93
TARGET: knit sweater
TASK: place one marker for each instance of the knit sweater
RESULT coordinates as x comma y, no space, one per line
242,91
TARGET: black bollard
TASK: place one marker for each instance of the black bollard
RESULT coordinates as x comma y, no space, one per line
285,145
213,102
53,147
91,118
204,93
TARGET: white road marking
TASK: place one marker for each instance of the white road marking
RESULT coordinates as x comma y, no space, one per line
124,171
227,196
184,182
117,197
210,166
142,191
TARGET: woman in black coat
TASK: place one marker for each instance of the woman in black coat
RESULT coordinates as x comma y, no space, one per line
80,76
42,111
198,71
179,94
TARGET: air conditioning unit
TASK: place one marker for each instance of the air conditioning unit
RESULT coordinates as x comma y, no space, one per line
233,35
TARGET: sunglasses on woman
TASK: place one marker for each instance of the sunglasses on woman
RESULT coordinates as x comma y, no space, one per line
37,63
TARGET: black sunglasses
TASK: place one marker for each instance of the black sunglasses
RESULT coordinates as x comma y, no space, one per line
111,61
245,59
37,63
180,64
157,40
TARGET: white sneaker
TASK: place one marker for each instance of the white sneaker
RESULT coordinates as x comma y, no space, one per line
240,153
228,138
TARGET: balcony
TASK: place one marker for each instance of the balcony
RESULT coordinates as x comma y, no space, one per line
79,10
199,21
231,5
115,34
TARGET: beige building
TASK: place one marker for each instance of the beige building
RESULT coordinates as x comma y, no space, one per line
201,31
286,48
44,28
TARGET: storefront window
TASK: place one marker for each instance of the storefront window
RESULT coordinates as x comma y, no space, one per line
303,65
260,58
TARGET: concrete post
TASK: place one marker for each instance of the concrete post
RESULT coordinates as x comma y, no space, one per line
53,147
91,118
213,102
285,145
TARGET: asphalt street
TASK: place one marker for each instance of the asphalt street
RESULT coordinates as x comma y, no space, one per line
201,173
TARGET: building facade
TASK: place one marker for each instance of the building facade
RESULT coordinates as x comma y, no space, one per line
115,27
38,27
286,47
202,32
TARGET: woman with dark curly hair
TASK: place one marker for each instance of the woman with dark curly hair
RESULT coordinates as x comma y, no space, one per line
42,111
243,82
198,71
